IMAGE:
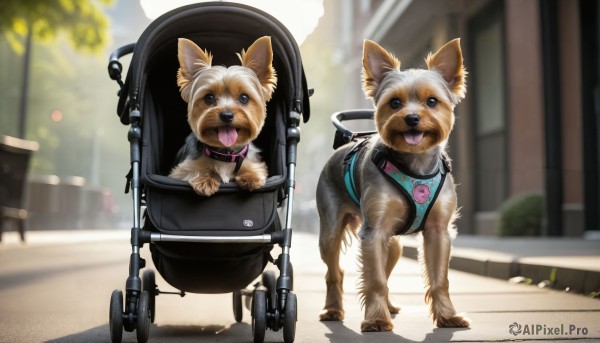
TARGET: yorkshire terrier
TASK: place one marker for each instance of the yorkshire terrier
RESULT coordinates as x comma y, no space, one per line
226,111
395,182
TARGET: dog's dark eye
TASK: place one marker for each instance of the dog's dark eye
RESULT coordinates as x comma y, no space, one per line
432,102
395,103
210,99
244,99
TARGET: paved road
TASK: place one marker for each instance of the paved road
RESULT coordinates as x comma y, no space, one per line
56,288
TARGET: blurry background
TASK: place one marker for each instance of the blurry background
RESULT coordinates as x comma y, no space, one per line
526,148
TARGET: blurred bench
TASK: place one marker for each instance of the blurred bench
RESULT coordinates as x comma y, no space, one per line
43,201
15,154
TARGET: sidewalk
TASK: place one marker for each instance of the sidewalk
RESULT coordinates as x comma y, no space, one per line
60,262
568,263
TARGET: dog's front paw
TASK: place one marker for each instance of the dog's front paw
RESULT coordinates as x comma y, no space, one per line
250,182
331,315
205,185
456,321
376,325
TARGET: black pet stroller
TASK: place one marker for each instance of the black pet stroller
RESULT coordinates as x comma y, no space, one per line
221,243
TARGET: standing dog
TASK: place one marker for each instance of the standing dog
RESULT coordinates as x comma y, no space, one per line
226,111
395,182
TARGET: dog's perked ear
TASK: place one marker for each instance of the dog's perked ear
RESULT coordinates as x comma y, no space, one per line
192,60
259,59
377,62
448,61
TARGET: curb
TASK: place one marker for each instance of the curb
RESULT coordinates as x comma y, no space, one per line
505,267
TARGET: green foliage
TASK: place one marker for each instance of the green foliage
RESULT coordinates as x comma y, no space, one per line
522,215
61,82
83,21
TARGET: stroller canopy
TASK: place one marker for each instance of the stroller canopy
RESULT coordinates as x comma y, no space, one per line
222,28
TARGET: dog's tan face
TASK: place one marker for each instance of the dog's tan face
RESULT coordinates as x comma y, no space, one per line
226,106
414,107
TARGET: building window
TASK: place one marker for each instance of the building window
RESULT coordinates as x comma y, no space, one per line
489,107
590,73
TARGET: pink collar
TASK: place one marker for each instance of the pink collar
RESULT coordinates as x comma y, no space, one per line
227,156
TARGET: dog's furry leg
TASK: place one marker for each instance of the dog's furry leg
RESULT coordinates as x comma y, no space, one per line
394,253
435,258
374,257
330,244
203,179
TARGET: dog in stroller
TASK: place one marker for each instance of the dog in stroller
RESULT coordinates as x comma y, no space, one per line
226,111
219,243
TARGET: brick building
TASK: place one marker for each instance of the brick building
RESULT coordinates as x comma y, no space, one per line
529,122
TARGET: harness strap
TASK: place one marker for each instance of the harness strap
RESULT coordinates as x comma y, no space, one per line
421,191
350,162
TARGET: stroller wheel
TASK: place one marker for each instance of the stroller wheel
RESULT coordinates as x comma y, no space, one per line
237,306
149,285
270,282
143,318
259,315
115,319
291,314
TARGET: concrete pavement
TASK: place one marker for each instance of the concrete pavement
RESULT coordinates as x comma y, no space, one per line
571,264
87,265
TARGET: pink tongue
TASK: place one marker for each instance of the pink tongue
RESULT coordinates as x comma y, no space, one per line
413,137
227,136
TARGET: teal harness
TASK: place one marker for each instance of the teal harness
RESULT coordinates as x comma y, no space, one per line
421,191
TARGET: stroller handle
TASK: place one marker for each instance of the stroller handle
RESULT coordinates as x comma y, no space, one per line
343,135
114,66
338,117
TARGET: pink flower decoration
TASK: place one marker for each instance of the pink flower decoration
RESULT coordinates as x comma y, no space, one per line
421,193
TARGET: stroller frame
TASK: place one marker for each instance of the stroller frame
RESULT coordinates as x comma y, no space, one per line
137,312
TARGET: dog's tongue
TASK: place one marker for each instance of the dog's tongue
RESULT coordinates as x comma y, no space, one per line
413,137
227,135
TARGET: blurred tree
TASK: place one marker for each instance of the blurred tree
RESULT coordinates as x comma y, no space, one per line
83,21
21,21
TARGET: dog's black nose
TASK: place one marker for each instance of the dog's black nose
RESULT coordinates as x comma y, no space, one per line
412,120
226,116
